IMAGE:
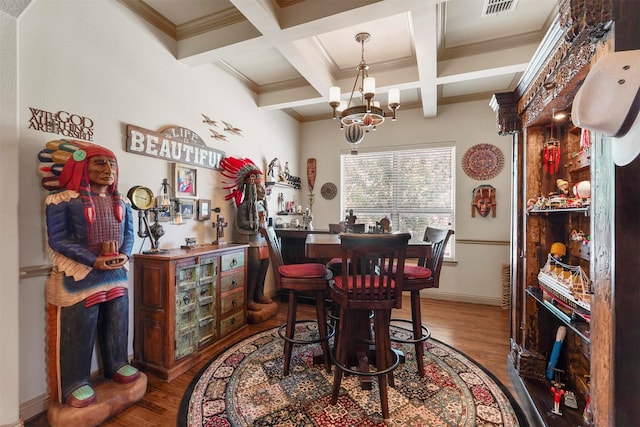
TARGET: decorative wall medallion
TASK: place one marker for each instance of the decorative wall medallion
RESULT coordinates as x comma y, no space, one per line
482,161
329,190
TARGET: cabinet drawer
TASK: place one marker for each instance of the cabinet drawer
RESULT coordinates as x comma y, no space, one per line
231,301
232,281
185,319
186,275
206,330
185,300
206,291
207,269
206,308
231,261
185,342
231,323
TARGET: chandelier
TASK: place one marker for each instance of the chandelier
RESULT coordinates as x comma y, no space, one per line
367,116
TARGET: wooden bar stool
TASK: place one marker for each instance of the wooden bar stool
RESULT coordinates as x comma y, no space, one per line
368,286
422,276
300,279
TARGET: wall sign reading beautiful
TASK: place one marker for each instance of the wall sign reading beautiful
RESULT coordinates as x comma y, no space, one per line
174,143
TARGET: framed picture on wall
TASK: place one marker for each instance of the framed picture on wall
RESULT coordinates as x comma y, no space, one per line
185,181
164,215
187,208
204,209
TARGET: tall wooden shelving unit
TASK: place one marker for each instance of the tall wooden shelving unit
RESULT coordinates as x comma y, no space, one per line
599,359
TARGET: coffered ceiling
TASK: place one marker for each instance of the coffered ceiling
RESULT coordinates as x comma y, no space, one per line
290,52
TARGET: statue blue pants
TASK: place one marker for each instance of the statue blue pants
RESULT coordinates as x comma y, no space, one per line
78,327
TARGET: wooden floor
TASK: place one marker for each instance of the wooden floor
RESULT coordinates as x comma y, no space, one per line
479,331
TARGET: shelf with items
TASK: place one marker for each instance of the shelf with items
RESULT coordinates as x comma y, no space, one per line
566,315
535,211
281,184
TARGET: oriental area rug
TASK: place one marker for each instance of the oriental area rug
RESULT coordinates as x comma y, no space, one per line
244,386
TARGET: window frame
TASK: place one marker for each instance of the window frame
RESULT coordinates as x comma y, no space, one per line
396,213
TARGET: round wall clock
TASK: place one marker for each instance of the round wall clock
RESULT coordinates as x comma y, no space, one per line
142,198
482,161
329,190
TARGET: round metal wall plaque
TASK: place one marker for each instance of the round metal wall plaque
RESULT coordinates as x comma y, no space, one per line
329,190
482,161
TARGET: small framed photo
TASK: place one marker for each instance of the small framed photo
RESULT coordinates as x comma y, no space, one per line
187,208
185,180
204,209
164,215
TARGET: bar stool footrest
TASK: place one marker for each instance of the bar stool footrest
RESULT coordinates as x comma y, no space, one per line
331,331
426,333
396,362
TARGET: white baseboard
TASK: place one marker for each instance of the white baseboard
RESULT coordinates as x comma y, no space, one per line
33,407
473,299
18,423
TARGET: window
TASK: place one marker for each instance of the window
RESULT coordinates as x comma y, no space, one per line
413,187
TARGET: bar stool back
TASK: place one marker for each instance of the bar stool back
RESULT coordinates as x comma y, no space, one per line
368,286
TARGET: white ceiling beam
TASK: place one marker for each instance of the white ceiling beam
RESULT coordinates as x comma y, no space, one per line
424,29
220,44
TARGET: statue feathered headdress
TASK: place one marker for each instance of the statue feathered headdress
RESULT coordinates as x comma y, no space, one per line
63,165
242,172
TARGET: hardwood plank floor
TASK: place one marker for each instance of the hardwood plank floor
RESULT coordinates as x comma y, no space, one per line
479,331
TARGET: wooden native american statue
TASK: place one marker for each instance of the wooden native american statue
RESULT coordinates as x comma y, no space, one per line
90,237
247,192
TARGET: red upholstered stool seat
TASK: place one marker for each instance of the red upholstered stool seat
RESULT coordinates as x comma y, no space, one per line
309,271
412,272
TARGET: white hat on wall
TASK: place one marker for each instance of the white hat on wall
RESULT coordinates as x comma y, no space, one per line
608,102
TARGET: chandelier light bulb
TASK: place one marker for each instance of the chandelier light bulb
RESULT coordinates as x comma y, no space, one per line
334,94
369,87
394,97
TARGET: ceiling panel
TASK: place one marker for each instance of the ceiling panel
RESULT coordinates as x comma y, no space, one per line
298,49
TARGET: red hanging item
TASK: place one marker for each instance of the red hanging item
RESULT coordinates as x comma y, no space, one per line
551,157
551,154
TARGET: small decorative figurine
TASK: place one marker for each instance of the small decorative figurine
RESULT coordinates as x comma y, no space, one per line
557,395
220,225
307,219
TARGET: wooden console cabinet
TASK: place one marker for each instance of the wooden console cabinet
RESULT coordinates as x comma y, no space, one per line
185,300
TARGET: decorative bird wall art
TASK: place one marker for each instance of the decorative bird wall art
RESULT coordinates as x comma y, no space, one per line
209,121
217,135
231,129
228,128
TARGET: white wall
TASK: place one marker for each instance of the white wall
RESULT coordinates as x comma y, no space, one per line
97,59
476,277
9,290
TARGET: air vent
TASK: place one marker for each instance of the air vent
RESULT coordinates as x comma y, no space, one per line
494,7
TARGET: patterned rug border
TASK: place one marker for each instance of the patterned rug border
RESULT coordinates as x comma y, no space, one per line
184,402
